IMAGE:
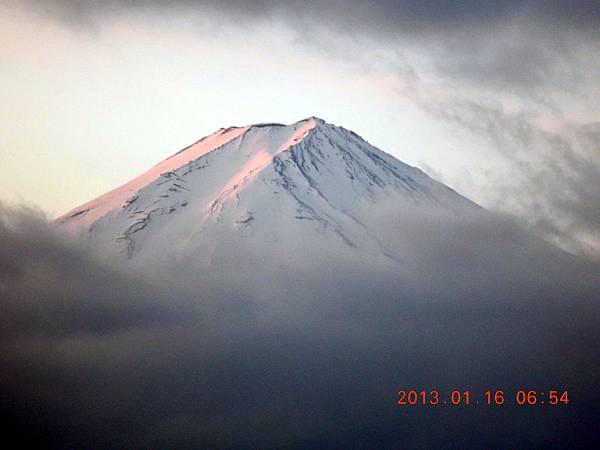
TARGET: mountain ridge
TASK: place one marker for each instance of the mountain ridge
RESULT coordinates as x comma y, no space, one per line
309,171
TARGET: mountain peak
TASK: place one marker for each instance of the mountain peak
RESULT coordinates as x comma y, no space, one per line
314,119
259,180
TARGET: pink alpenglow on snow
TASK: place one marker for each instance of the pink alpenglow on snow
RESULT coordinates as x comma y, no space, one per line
261,183
88,213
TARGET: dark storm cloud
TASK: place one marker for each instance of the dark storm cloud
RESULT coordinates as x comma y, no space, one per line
43,279
387,15
304,351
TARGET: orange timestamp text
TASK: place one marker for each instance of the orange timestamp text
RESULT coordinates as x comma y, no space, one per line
497,397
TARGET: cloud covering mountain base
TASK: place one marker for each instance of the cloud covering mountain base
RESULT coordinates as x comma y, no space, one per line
304,350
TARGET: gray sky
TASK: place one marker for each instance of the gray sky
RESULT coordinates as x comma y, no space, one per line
497,99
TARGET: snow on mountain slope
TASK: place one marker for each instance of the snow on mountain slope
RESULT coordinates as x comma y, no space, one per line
89,212
264,184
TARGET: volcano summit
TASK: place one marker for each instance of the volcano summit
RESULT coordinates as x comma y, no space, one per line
264,183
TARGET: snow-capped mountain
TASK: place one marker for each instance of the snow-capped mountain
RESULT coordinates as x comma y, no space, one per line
263,183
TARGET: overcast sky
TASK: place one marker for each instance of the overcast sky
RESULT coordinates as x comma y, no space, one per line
304,348
497,99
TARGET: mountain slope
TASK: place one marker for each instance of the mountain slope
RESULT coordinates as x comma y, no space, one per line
264,183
